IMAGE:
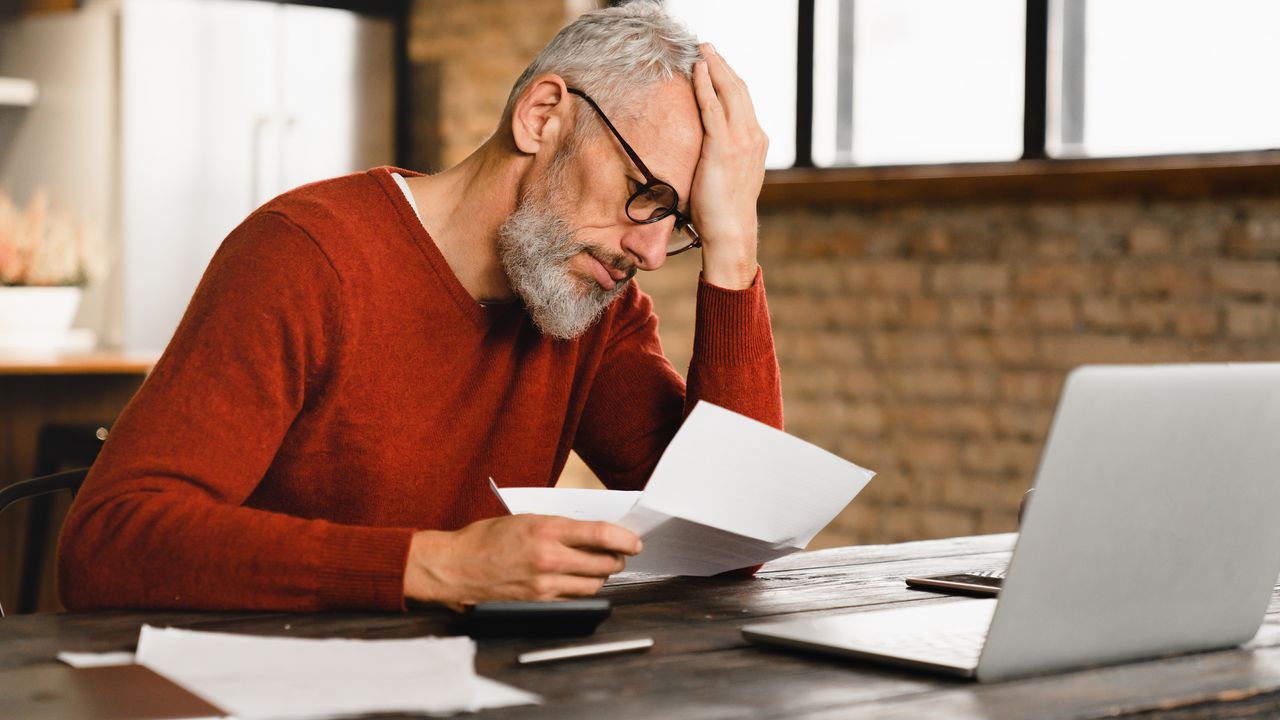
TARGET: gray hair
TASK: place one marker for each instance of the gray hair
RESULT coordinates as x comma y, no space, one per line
613,54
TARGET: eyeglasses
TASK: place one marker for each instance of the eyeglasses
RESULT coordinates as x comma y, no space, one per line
654,200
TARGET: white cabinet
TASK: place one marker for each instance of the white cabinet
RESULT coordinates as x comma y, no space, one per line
217,106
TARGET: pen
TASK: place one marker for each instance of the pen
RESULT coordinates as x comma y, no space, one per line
577,651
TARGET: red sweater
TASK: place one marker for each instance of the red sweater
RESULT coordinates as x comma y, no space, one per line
333,387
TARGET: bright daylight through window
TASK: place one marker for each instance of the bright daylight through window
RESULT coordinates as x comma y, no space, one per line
938,81
1165,76
758,38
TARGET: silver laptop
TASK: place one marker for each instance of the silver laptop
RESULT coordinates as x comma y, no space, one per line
1153,530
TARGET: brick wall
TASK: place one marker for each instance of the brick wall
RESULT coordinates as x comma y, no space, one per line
929,343
480,47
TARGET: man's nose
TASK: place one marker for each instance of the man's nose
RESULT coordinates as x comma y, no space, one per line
647,243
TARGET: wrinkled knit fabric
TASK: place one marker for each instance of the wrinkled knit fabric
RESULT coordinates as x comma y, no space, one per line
333,387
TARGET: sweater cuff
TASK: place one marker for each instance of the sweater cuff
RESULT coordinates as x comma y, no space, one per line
732,325
363,567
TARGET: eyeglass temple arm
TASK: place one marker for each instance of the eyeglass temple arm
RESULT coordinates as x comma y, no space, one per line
648,176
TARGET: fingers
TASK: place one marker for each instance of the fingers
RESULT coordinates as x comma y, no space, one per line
709,107
598,536
729,88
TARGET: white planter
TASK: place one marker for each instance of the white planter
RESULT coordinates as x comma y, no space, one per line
38,318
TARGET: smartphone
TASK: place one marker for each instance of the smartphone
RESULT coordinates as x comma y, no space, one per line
979,584
554,618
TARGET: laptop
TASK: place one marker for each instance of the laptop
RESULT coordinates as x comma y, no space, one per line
1152,532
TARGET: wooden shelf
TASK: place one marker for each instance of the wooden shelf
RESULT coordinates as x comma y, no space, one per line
1181,177
91,363
17,92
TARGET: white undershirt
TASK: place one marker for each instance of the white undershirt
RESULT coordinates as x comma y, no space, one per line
404,188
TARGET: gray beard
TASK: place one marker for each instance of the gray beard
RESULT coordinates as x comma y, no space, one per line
535,245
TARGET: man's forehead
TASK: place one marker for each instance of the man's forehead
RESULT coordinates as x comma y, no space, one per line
668,130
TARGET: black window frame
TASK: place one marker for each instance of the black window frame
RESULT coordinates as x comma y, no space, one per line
1035,83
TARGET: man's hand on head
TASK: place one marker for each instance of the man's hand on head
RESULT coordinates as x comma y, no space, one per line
726,183
520,557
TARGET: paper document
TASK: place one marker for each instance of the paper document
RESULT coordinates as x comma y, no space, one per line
91,660
272,677
577,503
729,492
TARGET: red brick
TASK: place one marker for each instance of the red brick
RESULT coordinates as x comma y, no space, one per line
969,313
1245,278
973,491
910,349
858,383
812,382
1150,316
886,277
873,312
965,419
941,384
974,349
1043,278
922,312
864,419
1158,278
922,455
1053,314
838,348
1008,457
1102,313
1015,349
1030,387
970,278
933,241
994,349
996,520
1057,247
899,524
1027,422
1067,351
888,489
943,522
1251,320
1254,238
1197,320
1149,238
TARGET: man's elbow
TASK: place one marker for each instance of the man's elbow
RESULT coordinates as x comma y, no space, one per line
84,565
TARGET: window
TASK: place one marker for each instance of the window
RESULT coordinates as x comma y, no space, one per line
1138,77
917,81
938,81
758,38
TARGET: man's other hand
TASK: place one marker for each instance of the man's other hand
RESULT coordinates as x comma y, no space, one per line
519,557
726,183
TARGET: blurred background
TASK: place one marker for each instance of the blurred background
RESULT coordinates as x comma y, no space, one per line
964,201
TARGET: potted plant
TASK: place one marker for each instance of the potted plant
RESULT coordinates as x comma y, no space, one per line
46,259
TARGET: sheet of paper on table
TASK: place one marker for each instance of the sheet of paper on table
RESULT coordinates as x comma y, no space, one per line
293,678
729,492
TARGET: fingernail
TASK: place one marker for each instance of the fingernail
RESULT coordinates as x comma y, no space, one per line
709,49
639,547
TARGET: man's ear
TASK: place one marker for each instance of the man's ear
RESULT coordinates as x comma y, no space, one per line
541,114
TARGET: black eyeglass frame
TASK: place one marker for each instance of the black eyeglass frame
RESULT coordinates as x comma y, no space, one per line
682,222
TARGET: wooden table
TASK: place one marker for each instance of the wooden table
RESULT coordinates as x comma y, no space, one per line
700,666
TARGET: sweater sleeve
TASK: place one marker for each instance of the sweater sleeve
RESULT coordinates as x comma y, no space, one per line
637,400
161,520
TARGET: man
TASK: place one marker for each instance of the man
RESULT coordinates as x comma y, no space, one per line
364,353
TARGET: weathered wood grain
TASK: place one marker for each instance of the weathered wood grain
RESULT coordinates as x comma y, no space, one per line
701,668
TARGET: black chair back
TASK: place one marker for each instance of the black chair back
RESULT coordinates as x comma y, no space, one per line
69,480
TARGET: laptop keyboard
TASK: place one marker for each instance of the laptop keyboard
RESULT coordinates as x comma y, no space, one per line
961,646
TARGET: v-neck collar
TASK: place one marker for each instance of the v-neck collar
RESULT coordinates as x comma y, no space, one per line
482,314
